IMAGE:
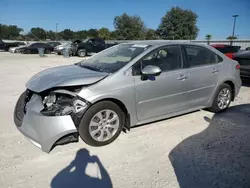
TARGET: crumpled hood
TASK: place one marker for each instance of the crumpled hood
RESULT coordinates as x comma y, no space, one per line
70,75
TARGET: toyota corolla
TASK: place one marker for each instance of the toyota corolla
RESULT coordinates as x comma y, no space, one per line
123,86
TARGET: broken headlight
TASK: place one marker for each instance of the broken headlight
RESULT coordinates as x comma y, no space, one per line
49,100
62,104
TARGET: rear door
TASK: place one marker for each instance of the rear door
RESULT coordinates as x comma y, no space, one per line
204,67
99,45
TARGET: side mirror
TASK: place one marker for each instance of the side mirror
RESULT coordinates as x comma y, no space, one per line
151,70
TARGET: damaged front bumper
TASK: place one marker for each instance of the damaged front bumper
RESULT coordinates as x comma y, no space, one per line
46,131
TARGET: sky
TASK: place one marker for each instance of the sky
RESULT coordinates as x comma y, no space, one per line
214,16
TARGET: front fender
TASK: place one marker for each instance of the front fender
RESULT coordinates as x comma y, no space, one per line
125,96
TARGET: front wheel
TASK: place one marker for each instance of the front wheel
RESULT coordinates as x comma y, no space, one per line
81,53
222,98
101,124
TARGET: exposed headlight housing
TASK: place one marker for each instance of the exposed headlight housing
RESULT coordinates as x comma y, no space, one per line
61,104
49,100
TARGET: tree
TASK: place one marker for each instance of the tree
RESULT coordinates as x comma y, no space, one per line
38,33
67,34
231,37
83,34
178,24
129,27
92,33
151,34
208,38
51,35
104,33
10,31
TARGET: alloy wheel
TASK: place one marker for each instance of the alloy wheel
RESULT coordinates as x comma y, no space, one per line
104,125
224,98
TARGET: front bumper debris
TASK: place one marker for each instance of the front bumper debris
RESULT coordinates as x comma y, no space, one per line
44,131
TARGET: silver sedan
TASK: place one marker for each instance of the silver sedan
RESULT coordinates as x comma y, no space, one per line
123,86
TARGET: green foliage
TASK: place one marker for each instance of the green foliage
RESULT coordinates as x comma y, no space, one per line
67,34
92,33
38,33
129,27
9,31
104,33
178,24
208,38
151,34
81,35
51,35
231,37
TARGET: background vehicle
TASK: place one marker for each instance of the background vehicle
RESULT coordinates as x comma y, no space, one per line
6,45
243,59
33,48
21,45
88,46
123,86
228,50
53,43
59,49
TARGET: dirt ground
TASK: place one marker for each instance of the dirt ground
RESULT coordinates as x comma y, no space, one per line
199,149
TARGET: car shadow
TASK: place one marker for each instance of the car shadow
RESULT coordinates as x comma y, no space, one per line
75,175
219,156
246,82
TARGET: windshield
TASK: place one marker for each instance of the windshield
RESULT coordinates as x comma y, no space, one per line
113,58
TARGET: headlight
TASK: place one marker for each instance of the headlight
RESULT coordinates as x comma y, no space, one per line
60,105
49,100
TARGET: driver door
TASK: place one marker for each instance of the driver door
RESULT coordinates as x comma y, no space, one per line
163,94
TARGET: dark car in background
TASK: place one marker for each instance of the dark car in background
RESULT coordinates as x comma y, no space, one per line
53,43
228,50
89,46
243,59
33,48
7,45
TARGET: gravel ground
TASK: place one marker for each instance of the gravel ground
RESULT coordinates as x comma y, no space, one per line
199,149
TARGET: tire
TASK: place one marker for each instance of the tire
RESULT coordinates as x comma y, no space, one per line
215,106
85,128
47,52
18,111
81,53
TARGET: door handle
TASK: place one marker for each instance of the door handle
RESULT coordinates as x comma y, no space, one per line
215,70
182,77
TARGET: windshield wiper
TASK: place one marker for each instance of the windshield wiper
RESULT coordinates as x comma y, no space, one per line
94,68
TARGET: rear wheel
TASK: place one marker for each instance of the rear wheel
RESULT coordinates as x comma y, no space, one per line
101,124
222,98
81,52
47,52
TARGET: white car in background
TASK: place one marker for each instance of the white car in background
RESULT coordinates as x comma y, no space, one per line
59,49
21,45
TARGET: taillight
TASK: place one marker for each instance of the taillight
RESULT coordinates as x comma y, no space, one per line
237,66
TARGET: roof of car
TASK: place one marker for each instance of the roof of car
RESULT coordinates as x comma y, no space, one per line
162,42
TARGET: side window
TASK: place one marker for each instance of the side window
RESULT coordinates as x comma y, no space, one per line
99,42
33,45
167,58
91,41
199,56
